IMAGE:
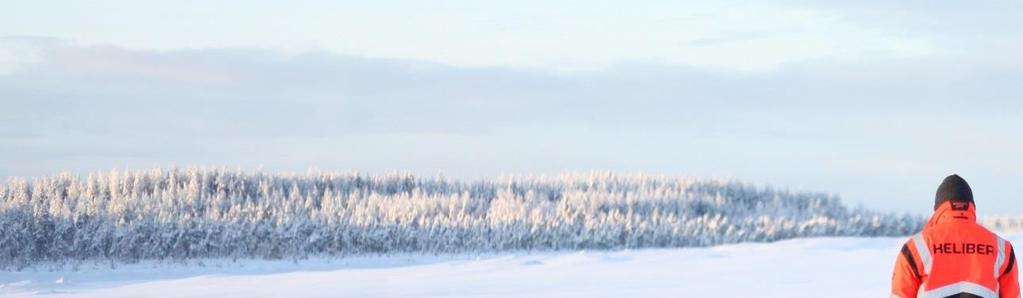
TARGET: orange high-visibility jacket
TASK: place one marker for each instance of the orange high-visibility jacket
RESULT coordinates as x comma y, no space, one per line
955,257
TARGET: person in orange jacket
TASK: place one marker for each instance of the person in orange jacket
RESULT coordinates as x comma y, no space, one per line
954,256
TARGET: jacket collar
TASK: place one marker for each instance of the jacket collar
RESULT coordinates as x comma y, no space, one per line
946,213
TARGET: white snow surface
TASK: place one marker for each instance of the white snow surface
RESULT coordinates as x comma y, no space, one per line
817,267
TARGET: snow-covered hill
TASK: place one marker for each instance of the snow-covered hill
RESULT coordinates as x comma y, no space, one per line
814,267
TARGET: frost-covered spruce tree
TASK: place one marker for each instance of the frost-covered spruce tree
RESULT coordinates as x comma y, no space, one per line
173,214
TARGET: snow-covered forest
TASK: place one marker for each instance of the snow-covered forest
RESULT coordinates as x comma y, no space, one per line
172,214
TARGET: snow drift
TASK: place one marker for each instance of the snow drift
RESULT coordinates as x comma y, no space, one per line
819,267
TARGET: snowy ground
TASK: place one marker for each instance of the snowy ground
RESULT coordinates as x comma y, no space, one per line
832,267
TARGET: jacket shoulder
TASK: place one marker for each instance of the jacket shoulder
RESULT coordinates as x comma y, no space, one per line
989,232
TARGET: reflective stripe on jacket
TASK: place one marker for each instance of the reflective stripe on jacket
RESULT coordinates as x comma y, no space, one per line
955,257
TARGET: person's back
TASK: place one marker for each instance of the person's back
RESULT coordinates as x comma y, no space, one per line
954,256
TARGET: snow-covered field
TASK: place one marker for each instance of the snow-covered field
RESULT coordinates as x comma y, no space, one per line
832,267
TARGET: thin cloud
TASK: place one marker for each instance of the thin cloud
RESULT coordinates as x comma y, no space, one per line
85,108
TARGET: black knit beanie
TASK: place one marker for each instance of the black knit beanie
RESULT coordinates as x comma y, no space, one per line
953,188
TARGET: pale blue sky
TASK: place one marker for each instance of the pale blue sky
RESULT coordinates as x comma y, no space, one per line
871,100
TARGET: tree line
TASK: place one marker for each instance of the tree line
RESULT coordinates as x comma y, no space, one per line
180,214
